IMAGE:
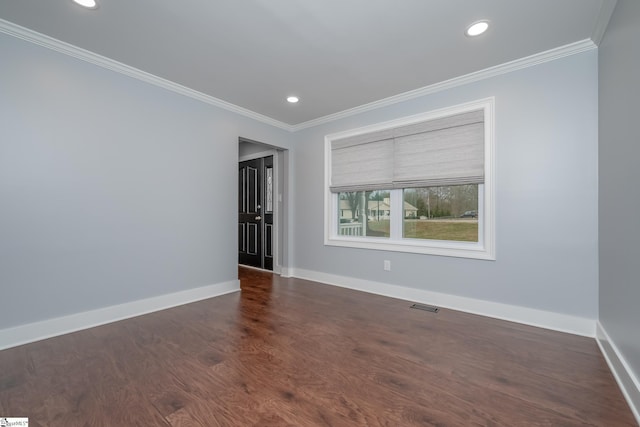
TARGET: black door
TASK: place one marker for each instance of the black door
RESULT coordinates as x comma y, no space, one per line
255,213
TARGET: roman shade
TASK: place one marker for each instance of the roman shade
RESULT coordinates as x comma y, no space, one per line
363,162
437,152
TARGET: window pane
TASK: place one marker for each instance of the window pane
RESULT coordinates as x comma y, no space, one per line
364,213
269,190
441,213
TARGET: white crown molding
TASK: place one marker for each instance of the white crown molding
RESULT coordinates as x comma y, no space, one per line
109,64
104,62
518,64
25,334
604,16
513,313
629,384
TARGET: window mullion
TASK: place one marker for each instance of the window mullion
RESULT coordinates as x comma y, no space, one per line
396,214
335,216
481,214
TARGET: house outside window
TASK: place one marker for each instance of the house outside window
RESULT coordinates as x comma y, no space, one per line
420,184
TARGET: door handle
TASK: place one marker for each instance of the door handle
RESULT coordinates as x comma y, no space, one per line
258,218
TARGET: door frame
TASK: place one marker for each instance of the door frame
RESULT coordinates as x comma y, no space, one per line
279,198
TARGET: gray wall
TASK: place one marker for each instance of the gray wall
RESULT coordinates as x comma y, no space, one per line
111,189
619,180
547,219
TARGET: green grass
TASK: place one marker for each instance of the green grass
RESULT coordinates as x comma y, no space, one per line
379,228
457,230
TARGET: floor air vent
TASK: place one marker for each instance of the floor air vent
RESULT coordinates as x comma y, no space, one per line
429,308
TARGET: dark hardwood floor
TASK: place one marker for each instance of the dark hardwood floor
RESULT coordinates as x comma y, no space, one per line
288,352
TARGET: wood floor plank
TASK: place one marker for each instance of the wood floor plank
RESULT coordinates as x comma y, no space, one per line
289,352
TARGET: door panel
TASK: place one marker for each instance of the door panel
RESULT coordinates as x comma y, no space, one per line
253,190
253,239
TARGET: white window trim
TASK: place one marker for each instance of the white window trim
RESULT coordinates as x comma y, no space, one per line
483,249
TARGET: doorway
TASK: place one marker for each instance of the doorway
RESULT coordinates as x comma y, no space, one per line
263,243
256,206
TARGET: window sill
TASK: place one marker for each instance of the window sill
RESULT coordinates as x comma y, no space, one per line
431,247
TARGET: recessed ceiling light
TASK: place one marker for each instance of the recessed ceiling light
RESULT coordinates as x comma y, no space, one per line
477,28
293,99
89,4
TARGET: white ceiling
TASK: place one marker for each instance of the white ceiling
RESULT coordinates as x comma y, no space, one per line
334,54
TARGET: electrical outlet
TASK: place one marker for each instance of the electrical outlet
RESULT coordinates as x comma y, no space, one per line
387,265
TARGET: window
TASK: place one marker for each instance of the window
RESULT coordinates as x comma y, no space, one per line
420,184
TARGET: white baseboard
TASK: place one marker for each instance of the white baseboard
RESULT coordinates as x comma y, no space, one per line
528,316
286,272
628,382
25,334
